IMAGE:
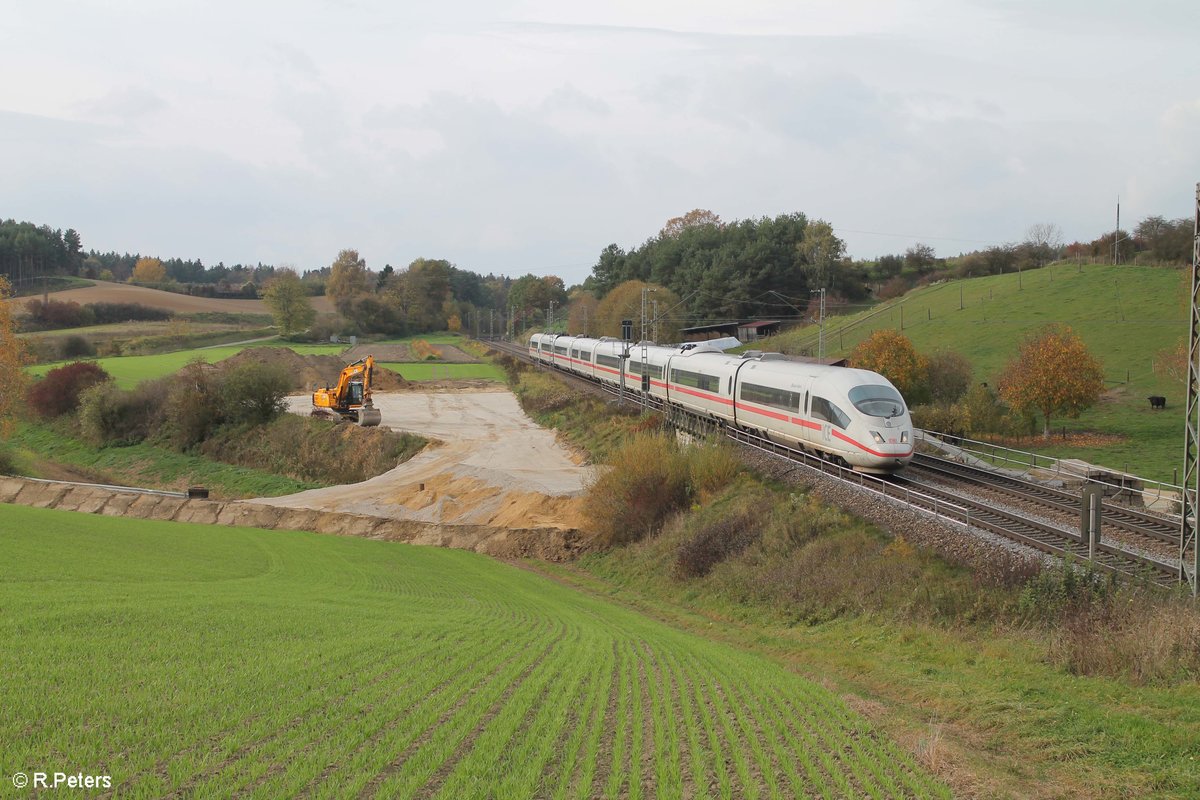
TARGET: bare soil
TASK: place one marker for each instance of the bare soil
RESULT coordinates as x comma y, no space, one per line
494,467
402,353
308,371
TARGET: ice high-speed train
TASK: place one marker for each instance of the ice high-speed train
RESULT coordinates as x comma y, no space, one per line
854,416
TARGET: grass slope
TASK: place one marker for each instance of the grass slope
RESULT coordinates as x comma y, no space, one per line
132,370
1125,314
220,661
147,465
432,371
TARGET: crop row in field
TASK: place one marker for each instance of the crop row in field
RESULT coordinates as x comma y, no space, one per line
213,661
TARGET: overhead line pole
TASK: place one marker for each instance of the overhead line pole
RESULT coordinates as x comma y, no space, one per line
1189,552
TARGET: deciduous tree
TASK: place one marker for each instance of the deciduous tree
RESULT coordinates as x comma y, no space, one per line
1054,373
892,355
348,277
949,376
286,297
692,219
12,362
148,270
625,302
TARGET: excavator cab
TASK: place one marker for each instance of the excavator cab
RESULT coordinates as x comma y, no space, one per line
351,398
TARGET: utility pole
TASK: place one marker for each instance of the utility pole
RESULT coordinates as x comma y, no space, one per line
1117,230
646,290
656,322
550,317
1189,550
820,325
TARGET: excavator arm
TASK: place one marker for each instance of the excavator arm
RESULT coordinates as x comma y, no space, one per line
351,397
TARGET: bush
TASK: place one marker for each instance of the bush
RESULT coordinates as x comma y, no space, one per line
59,391
717,541
8,464
109,415
648,481
53,314
193,405
712,466
76,347
252,393
108,313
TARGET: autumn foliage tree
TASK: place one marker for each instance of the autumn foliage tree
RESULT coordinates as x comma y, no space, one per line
1054,373
892,355
692,219
348,278
148,270
288,300
12,362
625,302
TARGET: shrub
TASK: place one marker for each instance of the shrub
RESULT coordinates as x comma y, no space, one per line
712,466
107,313
58,392
109,415
647,481
717,541
76,347
57,314
8,464
193,405
253,392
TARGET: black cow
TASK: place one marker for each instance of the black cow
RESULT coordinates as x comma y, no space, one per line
1157,402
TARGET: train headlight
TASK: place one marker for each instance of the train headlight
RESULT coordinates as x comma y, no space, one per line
903,437
878,439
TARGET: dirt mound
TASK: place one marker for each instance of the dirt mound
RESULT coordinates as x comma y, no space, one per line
448,353
308,370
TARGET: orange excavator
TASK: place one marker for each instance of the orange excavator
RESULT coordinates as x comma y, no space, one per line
351,398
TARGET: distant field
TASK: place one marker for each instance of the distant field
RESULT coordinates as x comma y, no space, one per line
218,661
1126,314
431,371
108,292
131,370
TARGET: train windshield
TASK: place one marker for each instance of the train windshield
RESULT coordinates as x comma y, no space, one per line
877,401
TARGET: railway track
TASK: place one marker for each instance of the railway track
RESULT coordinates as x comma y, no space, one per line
1154,527
956,507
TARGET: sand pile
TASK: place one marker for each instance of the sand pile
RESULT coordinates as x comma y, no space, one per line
307,370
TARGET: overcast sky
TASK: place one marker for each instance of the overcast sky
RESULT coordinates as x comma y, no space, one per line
523,137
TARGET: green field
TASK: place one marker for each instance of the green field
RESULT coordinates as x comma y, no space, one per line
1125,314
208,662
432,371
132,370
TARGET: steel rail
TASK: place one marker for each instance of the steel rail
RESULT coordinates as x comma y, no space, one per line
1127,519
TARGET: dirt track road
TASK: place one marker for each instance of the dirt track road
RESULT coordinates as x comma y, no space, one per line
495,466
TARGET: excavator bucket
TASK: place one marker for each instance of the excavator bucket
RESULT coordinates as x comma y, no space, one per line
369,416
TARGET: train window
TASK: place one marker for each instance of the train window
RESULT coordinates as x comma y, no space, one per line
585,355
574,353
558,348
826,411
730,389
877,401
806,402
653,370
770,396
709,383
634,367
608,361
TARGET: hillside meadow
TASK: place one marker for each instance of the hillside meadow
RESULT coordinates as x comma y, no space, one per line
1127,315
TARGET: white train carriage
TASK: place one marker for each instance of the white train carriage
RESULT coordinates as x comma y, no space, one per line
646,368
702,381
583,350
606,360
854,415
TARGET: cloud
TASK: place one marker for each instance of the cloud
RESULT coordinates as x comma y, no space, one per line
126,104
